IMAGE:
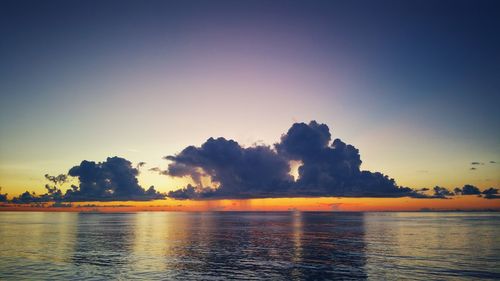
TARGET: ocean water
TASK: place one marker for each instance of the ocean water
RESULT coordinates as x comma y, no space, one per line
249,246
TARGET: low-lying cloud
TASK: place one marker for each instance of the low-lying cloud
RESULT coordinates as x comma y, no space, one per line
441,192
328,169
112,180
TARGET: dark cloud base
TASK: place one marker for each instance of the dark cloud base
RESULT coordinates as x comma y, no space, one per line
195,193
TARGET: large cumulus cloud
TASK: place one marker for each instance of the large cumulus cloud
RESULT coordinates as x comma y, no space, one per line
332,168
113,179
239,172
328,168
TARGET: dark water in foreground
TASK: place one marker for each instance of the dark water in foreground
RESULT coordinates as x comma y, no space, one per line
249,246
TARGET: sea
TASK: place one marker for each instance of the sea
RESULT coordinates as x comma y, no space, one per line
250,246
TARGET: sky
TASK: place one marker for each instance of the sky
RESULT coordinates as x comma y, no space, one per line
413,85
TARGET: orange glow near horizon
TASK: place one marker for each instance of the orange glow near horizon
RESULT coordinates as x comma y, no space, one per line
277,204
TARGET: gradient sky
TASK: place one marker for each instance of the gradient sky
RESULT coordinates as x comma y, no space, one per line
414,85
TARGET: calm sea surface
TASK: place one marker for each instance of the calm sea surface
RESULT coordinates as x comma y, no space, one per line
249,246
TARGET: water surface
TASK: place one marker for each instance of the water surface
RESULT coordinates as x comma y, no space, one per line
249,246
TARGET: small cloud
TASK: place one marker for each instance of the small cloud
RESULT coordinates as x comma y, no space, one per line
476,163
491,193
158,170
467,190
3,197
442,192
473,168
493,162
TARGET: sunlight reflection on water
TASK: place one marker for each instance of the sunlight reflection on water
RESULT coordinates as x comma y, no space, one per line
249,246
